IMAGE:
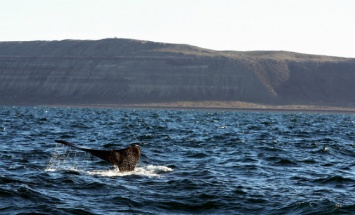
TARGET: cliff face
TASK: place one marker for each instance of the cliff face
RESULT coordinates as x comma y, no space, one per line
120,71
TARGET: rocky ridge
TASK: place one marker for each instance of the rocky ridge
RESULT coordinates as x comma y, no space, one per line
124,71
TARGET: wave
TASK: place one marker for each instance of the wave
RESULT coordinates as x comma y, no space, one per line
338,179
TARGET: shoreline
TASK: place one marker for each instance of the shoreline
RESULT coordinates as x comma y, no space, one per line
212,106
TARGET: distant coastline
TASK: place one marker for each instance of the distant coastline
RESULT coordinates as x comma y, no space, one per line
124,73
216,106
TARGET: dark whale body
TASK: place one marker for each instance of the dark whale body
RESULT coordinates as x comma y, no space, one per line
125,159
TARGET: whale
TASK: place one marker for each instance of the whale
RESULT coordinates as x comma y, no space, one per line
125,159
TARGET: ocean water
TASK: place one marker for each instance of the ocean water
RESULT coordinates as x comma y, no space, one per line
193,162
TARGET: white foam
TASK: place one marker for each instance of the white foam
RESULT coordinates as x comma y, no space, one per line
54,169
150,171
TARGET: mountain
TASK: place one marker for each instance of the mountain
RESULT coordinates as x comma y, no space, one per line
125,71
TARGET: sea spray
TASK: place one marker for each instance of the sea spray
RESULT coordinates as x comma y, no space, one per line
65,158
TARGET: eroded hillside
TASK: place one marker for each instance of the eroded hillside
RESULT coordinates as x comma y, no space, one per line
122,71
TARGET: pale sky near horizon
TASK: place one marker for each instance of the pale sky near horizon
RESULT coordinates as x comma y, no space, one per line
325,27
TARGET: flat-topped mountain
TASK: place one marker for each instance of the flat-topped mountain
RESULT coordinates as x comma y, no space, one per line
124,71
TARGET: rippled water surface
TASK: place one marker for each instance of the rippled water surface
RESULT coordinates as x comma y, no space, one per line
193,162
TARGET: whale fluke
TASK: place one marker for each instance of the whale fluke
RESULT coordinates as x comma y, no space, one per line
125,159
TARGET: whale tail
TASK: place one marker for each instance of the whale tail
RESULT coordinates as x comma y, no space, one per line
125,159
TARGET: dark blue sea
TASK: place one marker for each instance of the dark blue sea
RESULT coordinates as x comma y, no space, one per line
193,162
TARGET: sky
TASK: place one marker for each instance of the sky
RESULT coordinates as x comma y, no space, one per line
324,27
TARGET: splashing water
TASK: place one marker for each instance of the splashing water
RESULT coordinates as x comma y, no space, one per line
66,158
150,171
